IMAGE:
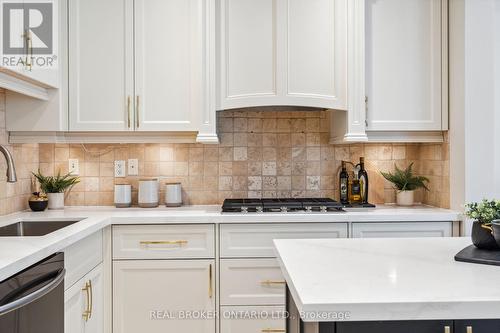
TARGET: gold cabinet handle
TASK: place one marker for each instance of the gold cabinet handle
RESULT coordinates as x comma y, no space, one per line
137,121
269,282
447,329
88,312
128,111
469,329
174,242
273,330
91,306
210,291
29,51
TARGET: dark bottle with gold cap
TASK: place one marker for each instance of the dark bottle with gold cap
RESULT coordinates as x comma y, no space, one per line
344,184
363,180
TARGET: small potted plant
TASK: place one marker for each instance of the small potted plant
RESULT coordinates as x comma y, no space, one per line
55,186
483,213
405,183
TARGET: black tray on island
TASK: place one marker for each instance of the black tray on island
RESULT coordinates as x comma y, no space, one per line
474,255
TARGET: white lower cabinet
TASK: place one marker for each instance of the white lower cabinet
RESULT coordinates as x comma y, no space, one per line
156,296
402,229
162,273
257,319
83,304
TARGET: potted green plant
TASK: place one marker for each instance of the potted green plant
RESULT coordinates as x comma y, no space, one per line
405,183
55,186
483,213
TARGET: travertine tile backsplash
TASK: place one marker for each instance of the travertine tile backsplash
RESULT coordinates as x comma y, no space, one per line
274,153
14,196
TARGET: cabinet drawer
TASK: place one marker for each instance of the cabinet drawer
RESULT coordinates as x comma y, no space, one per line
254,319
256,240
402,229
163,241
251,282
82,257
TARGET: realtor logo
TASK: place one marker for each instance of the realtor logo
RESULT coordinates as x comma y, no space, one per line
34,19
28,33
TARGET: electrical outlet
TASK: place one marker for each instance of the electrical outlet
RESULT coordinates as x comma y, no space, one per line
133,167
73,166
120,169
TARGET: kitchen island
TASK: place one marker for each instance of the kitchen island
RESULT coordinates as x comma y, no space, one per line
387,285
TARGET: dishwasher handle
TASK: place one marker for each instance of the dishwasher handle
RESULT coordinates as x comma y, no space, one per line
55,279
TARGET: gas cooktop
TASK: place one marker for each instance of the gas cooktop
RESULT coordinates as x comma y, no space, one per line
322,205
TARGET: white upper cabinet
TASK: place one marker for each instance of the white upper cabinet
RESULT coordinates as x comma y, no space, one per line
277,52
100,65
316,53
406,66
169,56
248,51
138,65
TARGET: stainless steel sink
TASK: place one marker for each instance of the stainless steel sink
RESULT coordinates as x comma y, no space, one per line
33,228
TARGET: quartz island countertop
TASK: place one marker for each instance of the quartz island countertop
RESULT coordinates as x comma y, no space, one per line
387,279
18,253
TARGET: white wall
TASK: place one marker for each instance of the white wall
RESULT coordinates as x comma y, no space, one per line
474,101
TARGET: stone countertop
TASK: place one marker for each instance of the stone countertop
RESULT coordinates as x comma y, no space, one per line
387,279
17,253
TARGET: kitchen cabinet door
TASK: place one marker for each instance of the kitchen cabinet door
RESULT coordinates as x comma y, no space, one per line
83,304
149,295
248,53
430,326
278,52
100,65
169,64
477,326
402,229
316,57
74,307
406,69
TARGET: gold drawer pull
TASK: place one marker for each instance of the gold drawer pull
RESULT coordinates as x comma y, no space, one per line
268,282
273,330
469,329
447,329
137,120
88,290
175,242
210,291
128,111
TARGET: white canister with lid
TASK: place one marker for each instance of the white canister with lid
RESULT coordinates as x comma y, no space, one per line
148,193
173,194
123,195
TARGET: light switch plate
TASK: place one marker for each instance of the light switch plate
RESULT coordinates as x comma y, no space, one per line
74,166
133,167
120,169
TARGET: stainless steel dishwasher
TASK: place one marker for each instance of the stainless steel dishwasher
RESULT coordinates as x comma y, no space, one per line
32,301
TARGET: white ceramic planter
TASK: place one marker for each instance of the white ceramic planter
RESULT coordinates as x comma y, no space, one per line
405,198
56,200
